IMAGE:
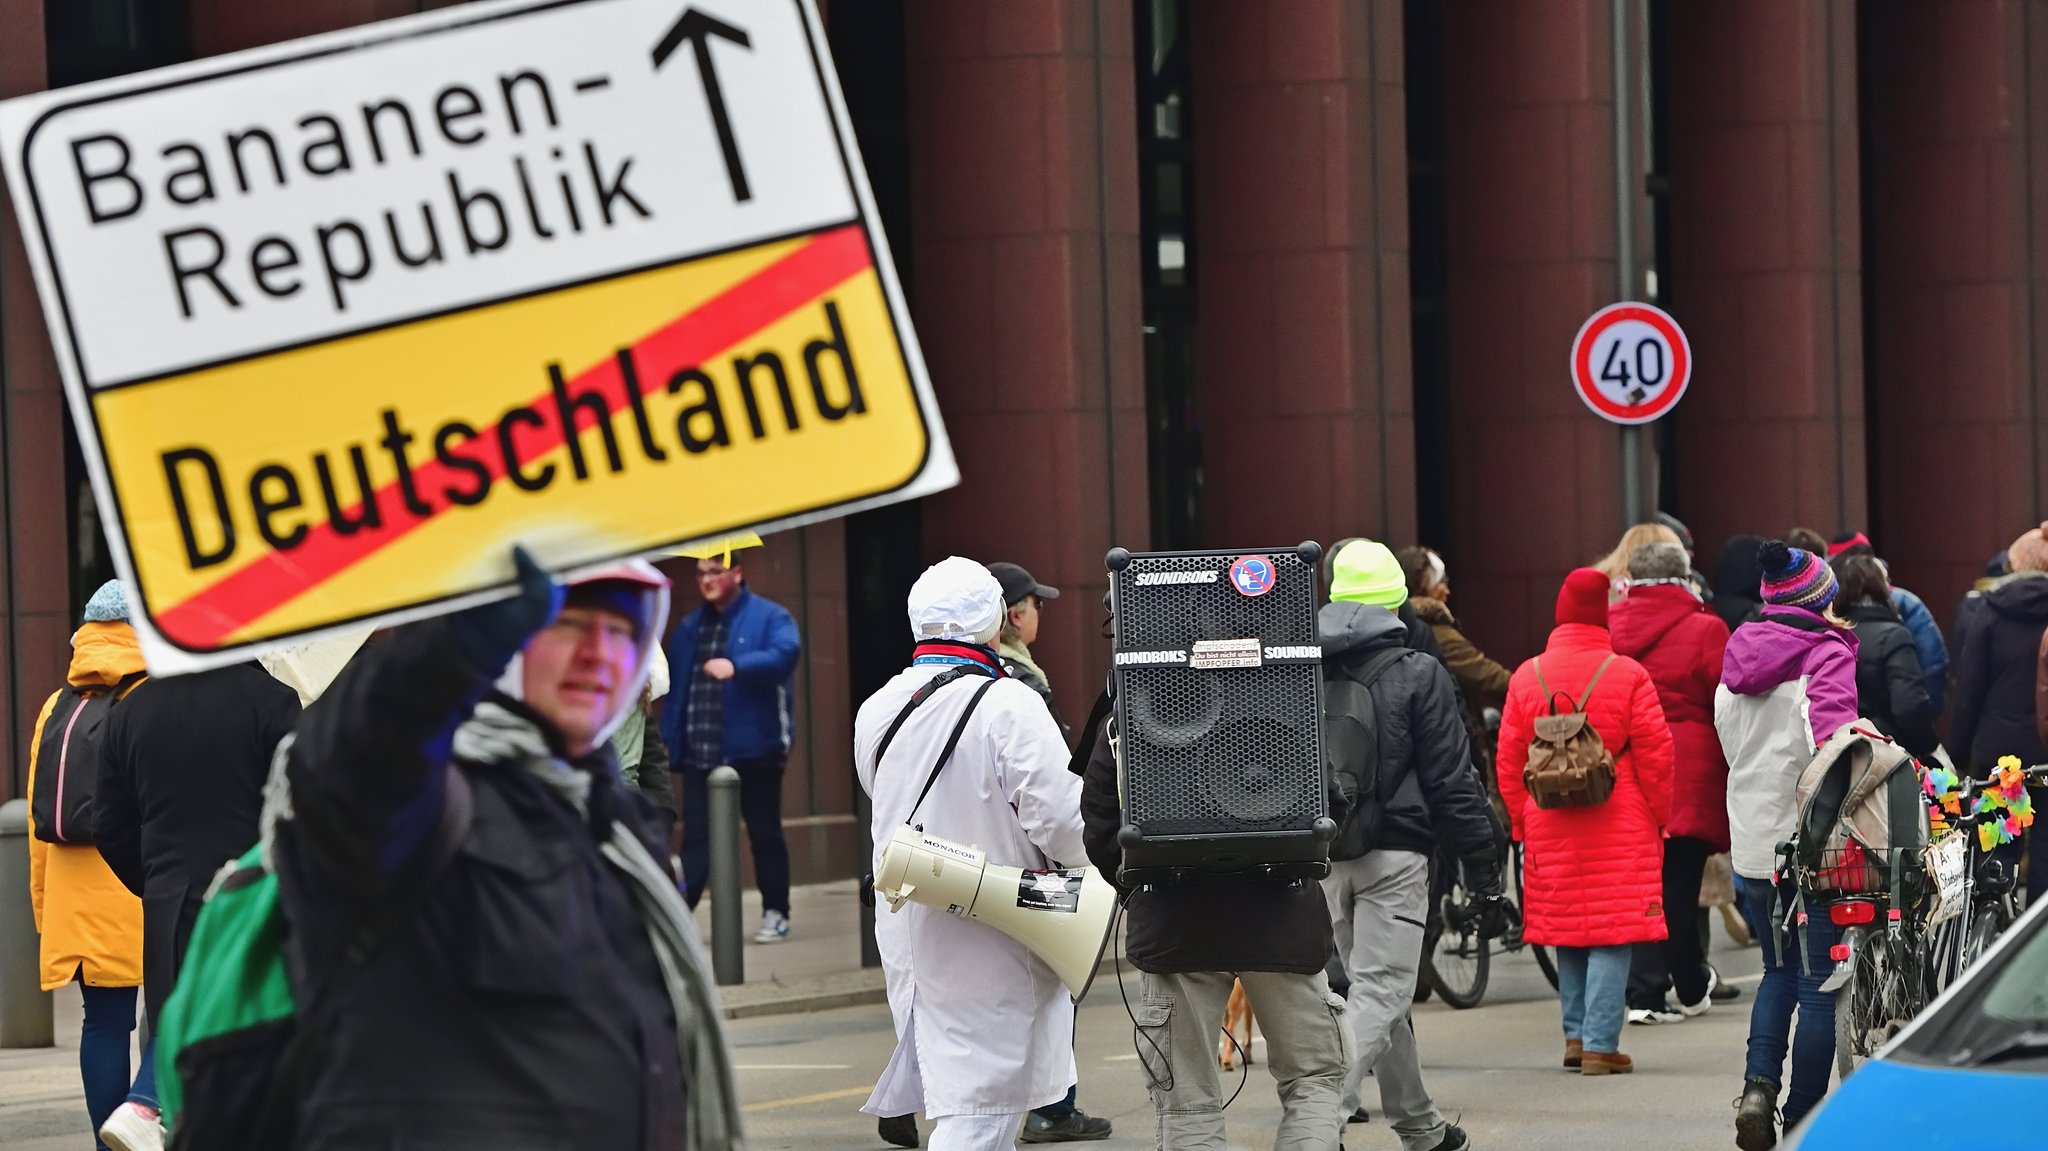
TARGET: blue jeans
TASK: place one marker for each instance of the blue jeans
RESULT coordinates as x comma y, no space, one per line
103,1054
1787,985
1592,985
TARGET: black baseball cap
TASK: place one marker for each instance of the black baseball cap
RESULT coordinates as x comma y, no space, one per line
1017,583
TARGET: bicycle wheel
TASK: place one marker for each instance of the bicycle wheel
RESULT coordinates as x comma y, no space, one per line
1860,1001
1544,961
1991,922
1459,960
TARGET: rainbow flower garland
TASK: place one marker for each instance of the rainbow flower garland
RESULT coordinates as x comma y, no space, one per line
2007,794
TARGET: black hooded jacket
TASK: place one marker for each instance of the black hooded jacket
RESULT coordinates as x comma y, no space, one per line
520,1003
1992,708
1429,794
1891,691
1737,576
1221,925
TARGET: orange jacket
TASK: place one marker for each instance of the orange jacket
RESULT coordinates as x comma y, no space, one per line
87,919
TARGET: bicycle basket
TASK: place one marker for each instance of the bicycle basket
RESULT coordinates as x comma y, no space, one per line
1846,870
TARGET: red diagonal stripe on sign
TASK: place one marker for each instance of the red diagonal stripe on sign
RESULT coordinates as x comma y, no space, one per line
208,617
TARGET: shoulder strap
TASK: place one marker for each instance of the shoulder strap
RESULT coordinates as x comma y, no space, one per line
129,683
1369,672
916,701
1597,673
947,752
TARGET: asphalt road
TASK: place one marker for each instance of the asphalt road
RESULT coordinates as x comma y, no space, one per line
1493,1069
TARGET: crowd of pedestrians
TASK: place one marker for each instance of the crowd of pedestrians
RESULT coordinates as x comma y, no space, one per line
527,782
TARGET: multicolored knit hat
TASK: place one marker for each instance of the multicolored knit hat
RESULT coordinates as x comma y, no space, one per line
1794,577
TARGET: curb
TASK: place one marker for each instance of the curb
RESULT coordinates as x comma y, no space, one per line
824,993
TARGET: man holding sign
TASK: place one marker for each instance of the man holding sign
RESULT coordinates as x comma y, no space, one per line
545,984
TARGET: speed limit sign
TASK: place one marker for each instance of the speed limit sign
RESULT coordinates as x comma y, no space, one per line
1630,363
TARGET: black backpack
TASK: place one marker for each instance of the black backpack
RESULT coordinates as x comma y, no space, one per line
1351,750
68,760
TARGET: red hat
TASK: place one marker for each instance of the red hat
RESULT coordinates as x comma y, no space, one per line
1583,599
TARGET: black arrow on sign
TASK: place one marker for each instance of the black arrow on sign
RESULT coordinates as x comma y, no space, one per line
698,29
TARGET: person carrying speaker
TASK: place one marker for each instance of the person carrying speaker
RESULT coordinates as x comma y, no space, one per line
1406,788
984,1028
1190,942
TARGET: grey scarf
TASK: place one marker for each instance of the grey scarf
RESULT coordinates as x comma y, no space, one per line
494,735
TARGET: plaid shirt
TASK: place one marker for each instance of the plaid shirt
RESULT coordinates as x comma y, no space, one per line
704,721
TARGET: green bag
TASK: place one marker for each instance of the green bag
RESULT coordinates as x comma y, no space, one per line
234,1043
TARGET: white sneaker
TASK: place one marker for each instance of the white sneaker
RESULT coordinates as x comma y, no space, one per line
1650,1016
774,928
1706,1000
133,1128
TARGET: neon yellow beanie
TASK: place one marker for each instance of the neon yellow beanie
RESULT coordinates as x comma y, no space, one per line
1366,572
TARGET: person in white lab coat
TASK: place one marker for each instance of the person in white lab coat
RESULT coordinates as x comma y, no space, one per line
962,992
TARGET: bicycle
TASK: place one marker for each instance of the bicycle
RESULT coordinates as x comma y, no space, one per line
1457,960
1988,900
1881,975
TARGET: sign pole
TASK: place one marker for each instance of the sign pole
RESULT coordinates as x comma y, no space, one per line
1624,252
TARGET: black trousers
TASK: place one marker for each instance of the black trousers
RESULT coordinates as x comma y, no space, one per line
760,809
1656,968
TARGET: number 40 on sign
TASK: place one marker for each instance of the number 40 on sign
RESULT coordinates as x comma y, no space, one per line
1631,363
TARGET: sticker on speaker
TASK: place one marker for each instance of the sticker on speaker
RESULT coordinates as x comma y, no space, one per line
1041,890
1214,653
1253,575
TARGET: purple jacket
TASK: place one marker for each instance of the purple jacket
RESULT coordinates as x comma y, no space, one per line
1788,682
1790,642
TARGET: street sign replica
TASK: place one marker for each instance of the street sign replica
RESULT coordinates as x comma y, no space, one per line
341,319
1631,363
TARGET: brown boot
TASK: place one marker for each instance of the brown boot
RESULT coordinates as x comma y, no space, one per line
1605,1063
1573,1050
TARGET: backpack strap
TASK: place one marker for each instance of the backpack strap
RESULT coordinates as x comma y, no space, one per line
1597,673
1369,672
1551,696
947,752
129,683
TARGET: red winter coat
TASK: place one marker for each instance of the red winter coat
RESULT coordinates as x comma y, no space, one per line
1592,876
1679,641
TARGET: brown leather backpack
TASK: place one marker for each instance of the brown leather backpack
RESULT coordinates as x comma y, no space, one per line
1568,765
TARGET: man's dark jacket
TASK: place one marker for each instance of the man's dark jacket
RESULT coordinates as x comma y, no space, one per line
1220,925
179,793
1998,645
1428,793
520,1004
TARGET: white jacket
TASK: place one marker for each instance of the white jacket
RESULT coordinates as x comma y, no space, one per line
1768,740
983,1027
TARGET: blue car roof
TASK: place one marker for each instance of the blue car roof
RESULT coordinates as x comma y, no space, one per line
1889,1105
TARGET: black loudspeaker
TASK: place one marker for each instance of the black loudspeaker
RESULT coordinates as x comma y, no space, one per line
1218,681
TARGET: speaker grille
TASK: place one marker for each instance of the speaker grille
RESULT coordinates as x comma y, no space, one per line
1218,751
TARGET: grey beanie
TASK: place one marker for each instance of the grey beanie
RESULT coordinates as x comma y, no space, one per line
107,605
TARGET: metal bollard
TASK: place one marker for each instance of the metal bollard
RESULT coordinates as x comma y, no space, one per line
728,948
27,1016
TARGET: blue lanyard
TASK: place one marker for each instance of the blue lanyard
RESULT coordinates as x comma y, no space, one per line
958,661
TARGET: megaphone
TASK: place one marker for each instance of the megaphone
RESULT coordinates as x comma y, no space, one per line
1063,916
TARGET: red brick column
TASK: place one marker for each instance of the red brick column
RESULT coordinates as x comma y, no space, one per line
35,556
1958,177
1766,259
1301,271
1536,477
1024,287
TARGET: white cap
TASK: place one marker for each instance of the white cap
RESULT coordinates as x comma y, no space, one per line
955,599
